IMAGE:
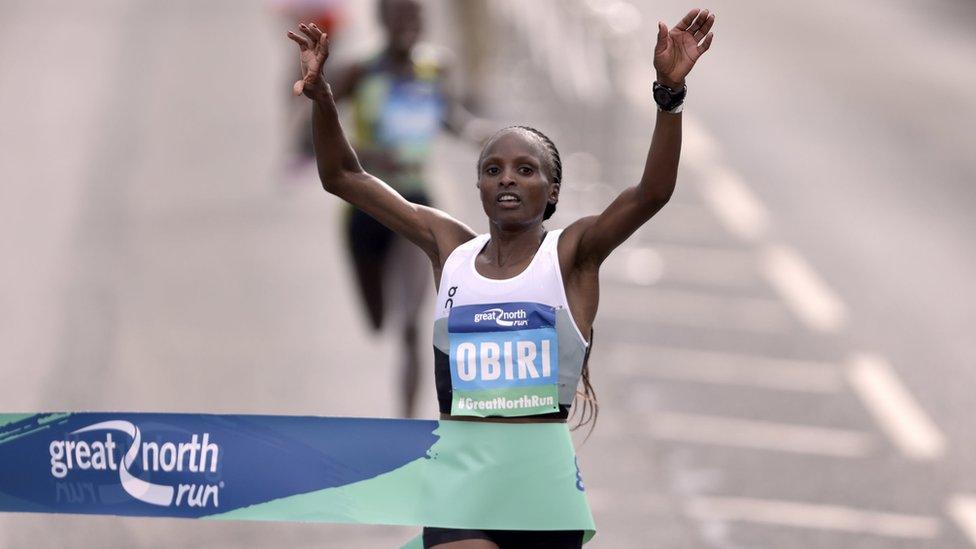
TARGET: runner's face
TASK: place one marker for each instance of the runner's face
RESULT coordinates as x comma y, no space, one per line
512,178
402,19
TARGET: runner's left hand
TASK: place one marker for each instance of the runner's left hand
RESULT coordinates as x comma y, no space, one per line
678,49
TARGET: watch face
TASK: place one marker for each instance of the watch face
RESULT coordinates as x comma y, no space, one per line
661,96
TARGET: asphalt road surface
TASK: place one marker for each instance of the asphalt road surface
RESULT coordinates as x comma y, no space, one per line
782,355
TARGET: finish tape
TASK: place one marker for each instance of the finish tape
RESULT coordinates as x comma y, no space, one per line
448,474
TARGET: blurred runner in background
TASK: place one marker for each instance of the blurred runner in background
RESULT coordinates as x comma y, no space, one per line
400,99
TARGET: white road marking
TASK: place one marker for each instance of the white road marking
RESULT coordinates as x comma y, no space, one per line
725,368
615,502
682,222
643,265
732,201
762,435
698,310
899,415
710,265
698,147
703,265
813,516
802,290
962,509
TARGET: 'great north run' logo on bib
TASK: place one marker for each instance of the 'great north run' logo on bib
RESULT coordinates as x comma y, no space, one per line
503,318
504,359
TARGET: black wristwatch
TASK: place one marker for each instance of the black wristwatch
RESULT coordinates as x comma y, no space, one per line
669,100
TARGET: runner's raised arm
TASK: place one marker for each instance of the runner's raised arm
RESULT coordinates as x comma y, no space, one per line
675,54
341,173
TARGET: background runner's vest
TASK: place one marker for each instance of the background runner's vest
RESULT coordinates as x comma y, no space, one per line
399,115
505,344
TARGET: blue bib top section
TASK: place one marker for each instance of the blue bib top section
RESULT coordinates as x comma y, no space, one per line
500,317
410,117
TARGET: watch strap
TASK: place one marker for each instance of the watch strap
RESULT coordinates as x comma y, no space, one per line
667,99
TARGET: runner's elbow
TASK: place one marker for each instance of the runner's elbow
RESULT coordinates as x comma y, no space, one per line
655,200
334,182
329,182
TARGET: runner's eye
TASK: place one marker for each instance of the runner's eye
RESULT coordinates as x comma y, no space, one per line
492,170
525,170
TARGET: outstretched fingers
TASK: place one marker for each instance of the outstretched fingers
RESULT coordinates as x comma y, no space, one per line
314,48
315,31
706,43
312,34
302,42
318,39
687,20
706,27
695,28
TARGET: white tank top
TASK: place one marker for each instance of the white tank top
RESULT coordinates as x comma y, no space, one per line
505,347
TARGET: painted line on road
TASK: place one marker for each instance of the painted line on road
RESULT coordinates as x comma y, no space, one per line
813,516
641,265
698,310
698,147
962,509
703,265
716,266
762,435
804,292
682,222
735,205
618,502
891,404
725,368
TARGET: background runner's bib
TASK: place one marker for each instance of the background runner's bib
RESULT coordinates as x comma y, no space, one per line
504,359
410,118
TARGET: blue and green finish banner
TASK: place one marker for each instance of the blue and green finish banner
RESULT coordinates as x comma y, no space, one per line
452,474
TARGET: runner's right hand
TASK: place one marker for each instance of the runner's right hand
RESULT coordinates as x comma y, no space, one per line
313,51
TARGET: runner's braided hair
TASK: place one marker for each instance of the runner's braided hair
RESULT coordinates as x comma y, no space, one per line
587,410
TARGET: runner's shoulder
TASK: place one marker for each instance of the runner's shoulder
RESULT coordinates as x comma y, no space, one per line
448,232
569,242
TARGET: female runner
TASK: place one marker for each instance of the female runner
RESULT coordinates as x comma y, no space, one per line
512,304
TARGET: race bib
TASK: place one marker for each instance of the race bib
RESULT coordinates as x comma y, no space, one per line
504,359
410,117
